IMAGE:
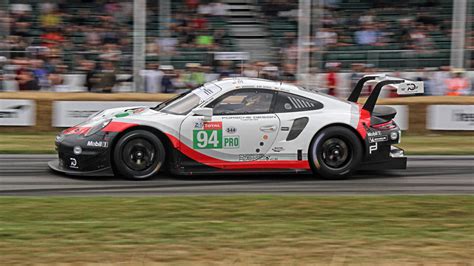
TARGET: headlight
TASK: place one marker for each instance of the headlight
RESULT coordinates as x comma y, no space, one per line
97,127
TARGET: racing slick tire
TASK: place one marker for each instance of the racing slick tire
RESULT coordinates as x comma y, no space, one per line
138,155
335,153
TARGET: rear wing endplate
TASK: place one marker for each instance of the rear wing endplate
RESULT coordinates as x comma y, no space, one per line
403,86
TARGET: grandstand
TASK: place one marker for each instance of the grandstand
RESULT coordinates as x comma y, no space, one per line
385,35
248,24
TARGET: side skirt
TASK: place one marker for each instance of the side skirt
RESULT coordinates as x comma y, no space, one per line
180,164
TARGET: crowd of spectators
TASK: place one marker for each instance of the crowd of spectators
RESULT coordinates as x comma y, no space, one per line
41,41
46,41
420,28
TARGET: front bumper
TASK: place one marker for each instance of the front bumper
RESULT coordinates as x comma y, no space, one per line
84,155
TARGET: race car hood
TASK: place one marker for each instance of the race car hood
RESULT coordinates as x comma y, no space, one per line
119,119
122,112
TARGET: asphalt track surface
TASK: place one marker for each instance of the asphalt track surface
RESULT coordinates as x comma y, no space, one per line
29,175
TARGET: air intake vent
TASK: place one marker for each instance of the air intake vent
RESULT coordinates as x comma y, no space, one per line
297,127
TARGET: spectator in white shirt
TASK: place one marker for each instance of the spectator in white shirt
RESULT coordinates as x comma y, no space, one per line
152,77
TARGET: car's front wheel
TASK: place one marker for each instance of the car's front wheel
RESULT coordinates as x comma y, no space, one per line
335,153
138,155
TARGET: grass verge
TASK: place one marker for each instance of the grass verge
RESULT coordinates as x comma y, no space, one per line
238,230
18,143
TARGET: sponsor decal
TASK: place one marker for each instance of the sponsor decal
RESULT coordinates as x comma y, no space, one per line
210,137
461,116
373,148
198,124
12,111
278,149
231,142
73,163
249,157
411,87
231,130
130,112
248,117
450,117
212,125
285,128
378,139
374,133
97,143
205,93
255,157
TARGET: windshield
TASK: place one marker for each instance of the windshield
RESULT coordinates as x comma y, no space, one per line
171,100
185,102
183,105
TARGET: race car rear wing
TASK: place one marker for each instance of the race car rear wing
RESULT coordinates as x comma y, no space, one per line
403,86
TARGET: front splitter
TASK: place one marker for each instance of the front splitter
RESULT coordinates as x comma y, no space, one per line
54,165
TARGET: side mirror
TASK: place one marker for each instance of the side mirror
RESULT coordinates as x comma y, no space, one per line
206,112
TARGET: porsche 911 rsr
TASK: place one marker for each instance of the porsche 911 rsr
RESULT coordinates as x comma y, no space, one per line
240,125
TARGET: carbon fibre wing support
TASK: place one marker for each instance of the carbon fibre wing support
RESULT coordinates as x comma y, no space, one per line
372,100
354,97
404,87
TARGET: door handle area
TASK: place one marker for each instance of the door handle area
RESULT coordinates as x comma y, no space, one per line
268,128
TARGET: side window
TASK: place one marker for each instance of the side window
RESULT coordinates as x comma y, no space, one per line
243,102
287,102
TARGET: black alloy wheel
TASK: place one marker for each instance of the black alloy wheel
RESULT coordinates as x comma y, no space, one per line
335,153
138,155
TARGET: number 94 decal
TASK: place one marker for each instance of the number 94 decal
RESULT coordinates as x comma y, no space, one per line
210,137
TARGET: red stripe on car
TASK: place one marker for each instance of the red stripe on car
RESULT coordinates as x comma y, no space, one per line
364,121
214,162
76,130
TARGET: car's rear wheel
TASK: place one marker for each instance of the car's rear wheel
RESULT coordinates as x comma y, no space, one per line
138,155
335,153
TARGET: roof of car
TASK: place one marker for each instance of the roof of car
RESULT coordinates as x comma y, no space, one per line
228,84
254,83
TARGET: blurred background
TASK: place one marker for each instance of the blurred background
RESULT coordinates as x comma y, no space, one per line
164,46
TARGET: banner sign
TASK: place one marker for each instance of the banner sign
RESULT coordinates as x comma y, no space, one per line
450,117
17,112
232,56
71,113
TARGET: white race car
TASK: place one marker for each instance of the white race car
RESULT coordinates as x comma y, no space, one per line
240,125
